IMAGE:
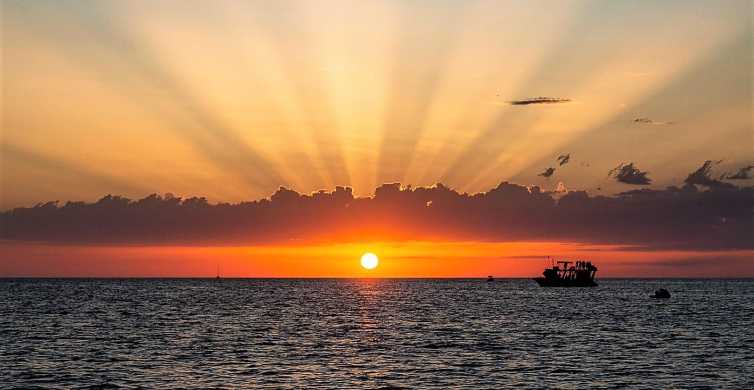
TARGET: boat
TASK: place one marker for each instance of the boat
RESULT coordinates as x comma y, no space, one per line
490,278
563,274
661,294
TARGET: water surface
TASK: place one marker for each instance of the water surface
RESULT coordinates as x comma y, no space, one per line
276,333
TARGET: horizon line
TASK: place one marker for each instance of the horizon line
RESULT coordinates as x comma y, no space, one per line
5,278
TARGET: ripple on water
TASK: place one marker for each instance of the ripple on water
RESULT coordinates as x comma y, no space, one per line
386,334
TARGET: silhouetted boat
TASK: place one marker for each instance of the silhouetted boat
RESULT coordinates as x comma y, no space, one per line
661,293
490,279
563,274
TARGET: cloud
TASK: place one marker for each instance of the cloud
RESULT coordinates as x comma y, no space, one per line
538,100
647,121
564,158
627,173
742,174
548,172
671,218
703,176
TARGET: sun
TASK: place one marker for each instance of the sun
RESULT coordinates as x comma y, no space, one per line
369,260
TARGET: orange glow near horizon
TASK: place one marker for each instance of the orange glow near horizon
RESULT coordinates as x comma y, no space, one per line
401,260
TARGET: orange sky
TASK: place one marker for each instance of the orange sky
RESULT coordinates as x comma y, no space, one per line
405,259
133,98
231,100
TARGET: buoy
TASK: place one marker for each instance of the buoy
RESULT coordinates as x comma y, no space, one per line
661,293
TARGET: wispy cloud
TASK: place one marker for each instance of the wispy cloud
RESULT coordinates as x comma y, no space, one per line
627,173
563,159
538,100
648,121
547,172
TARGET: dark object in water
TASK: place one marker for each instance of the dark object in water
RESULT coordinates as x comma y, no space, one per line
661,293
490,279
580,275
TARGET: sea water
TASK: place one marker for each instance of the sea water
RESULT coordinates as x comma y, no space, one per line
374,333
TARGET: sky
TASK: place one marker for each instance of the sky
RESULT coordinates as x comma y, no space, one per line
229,101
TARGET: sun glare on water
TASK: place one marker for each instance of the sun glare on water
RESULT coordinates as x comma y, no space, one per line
369,260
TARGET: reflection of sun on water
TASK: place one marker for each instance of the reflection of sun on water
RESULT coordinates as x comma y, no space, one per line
369,260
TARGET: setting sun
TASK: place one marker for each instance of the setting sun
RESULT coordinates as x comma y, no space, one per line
369,260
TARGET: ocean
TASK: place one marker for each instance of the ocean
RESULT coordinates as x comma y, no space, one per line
374,334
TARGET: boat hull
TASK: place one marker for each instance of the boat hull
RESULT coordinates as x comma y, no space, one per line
544,282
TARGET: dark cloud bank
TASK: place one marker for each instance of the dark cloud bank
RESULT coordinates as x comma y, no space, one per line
689,217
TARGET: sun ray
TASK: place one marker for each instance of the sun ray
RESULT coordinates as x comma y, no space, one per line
688,68
223,78
50,174
355,76
234,99
481,76
99,28
420,55
553,125
301,61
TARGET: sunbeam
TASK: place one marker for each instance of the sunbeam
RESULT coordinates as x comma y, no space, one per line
54,177
724,107
96,26
301,62
419,59
600,91
242,98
